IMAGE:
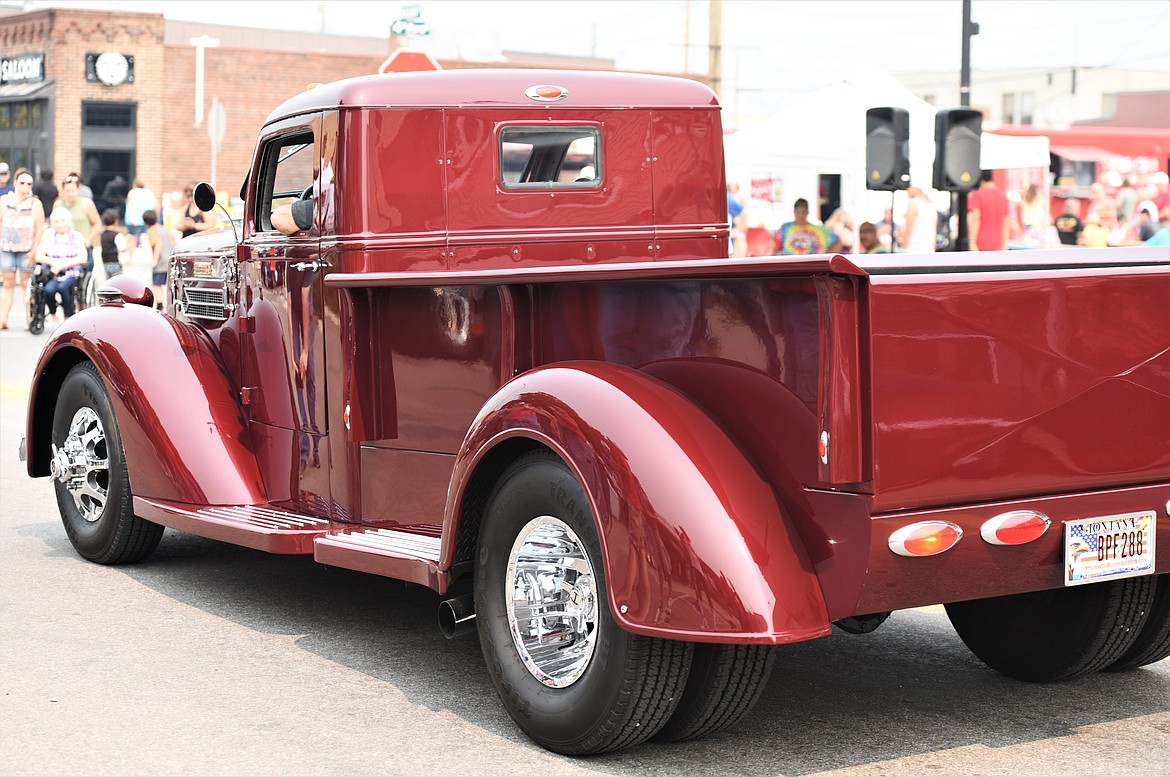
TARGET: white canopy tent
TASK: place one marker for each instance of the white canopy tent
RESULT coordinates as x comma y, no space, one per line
999,152
782,158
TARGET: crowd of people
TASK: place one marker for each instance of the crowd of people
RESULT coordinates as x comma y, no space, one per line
61,229
996,220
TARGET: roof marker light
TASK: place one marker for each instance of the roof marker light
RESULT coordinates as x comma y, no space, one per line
1014,528
925,538
546,93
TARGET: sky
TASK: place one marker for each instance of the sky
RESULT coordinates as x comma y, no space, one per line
774,50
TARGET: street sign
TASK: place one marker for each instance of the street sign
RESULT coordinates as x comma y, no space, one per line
216,123
408,61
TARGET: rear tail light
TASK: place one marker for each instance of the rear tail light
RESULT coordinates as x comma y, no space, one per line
925,538
1014,528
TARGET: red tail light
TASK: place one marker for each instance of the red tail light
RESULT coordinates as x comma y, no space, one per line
1014,528
925,538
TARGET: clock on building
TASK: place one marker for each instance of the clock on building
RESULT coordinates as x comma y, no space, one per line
112,68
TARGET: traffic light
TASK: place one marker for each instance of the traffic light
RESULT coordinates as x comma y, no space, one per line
887,156
956,155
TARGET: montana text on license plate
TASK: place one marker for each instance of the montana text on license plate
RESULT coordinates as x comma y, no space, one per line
1109,547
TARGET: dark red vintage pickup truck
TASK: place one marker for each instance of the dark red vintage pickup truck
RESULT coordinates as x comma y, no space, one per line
508,358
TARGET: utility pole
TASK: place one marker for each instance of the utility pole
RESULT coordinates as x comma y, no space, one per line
715,42
962,241
202,43
969,29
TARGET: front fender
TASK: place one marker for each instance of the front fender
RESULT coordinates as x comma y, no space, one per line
696,545
185,437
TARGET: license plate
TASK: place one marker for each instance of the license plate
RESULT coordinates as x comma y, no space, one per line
1109,547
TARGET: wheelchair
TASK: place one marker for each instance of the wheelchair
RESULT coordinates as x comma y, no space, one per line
83,294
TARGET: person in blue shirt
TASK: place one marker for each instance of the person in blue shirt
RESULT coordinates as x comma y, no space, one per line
735,219
1160,238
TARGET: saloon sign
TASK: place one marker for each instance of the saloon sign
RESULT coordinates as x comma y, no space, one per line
28,68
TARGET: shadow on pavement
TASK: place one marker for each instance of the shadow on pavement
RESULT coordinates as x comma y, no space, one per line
911,687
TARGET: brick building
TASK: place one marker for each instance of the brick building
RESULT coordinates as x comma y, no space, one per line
113,95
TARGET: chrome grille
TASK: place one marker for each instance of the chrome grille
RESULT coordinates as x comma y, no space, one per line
205,302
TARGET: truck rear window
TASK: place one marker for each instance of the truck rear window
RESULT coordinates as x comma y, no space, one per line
550,157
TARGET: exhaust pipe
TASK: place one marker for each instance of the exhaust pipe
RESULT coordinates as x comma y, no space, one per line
457,616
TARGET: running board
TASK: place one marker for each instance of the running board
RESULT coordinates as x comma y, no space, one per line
254,526
386,552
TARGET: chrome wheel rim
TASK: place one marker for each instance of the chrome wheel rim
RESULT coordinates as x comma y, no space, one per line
552,602
82,464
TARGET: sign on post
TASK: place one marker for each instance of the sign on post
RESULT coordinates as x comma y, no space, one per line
216,123
408,61
216,129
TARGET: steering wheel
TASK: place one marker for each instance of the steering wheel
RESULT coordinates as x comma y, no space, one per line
307,193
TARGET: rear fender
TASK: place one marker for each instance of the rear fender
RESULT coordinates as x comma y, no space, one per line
696,545
183,431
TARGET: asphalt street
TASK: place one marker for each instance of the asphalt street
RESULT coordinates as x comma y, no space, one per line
208,659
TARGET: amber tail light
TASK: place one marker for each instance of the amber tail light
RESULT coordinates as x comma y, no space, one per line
925,538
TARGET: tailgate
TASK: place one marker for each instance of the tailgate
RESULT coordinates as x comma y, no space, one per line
996,381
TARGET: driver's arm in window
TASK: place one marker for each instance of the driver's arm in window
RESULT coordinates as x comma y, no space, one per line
293,217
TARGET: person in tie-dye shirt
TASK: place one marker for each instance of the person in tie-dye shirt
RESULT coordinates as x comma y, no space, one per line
800,237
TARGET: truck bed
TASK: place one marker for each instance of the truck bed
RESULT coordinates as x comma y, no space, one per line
1017,381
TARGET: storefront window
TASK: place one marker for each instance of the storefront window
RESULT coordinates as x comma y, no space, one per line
103,114
1027,107
21,127
109,174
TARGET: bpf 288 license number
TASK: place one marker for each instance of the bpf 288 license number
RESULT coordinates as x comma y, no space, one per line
1109,547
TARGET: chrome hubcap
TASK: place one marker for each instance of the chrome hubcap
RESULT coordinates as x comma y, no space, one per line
552,604
82,464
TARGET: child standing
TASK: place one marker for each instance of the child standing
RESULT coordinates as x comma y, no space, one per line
160,249
113,242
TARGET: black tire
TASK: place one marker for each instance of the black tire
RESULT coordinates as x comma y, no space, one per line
90,477
1153,641
1046,636
724,684
628,686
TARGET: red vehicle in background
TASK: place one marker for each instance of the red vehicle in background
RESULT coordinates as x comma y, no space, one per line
505,355
1084,155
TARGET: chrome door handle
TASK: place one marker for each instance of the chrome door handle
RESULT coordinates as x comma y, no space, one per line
313,265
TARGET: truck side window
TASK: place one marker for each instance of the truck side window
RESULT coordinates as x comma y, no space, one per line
287,175
550,157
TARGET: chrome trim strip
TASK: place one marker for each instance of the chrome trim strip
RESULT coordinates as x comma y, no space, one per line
674,269
263,517
398,542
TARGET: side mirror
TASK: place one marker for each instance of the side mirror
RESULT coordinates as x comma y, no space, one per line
204,196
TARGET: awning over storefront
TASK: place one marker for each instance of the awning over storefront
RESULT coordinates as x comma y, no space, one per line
1083,153
25,91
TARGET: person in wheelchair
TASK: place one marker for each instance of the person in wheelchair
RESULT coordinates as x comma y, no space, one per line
62,248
